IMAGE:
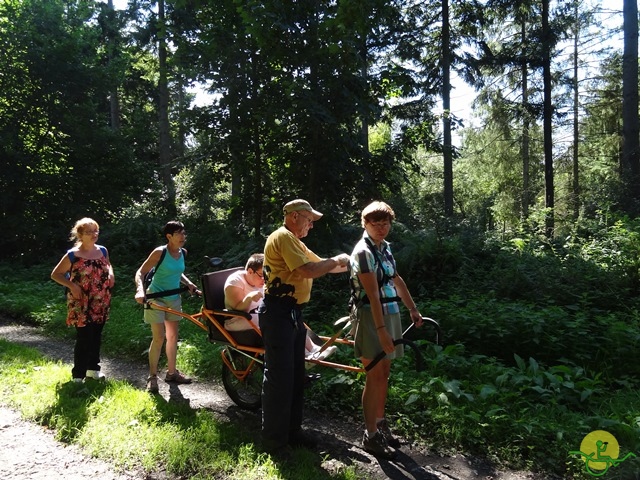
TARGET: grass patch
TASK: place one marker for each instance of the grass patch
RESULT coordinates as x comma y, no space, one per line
116,422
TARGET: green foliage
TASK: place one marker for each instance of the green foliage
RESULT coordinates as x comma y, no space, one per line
296,89
63,161
535,337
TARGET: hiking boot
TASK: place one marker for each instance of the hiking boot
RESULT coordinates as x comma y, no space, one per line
95,374
177,377
152,384
383,428
377,445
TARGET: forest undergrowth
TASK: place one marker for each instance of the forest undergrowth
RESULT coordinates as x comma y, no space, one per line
540,343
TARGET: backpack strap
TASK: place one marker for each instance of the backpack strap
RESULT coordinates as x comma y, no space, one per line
164,254
381,277
73,259
180,289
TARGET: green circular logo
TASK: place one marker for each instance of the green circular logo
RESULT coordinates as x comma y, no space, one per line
597,444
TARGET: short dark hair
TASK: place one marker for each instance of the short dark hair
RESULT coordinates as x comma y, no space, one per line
172,227
255,262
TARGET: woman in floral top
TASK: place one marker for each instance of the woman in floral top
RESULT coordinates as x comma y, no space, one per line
87,273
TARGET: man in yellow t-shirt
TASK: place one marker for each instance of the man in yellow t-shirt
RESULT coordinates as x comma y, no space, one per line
289,269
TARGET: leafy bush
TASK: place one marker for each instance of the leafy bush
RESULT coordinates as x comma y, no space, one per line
541,339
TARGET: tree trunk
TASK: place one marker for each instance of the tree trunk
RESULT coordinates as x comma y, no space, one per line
256,193
575,197
525,125
114,101
547,120
164,153
364,133
181,138
630,122
446,106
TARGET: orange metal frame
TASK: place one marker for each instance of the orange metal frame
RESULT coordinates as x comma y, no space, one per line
200,319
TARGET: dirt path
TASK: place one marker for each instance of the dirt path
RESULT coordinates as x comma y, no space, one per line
28,451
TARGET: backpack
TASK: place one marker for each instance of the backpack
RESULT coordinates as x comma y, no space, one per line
148,277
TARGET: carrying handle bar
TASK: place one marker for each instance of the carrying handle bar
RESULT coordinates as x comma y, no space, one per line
164,293
409,343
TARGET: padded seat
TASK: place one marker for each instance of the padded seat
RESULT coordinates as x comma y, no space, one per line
213,288
213,293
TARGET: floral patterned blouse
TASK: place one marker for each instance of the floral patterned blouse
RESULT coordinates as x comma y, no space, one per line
93,277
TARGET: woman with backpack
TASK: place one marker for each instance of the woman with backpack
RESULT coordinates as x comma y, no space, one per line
377,290
86,272
168,262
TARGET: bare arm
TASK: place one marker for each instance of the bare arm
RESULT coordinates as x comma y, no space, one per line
236,299
59,275
335,264
112,278
151,261
193,288
403,292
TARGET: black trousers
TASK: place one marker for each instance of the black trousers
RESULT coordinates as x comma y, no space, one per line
284,335
86,352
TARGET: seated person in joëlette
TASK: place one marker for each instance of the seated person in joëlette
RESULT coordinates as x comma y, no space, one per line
242,291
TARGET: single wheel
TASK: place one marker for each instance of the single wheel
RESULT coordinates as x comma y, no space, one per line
246,390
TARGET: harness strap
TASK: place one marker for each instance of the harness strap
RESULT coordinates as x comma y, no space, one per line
166,293
385,279
365,300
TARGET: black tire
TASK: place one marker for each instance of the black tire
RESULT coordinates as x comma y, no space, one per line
245,393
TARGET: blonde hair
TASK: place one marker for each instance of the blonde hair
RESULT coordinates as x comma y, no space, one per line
377,211
80,227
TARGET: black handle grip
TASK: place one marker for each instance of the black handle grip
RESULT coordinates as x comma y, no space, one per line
409,343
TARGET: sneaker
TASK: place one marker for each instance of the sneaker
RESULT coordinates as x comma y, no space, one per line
95,374
383,428
377,445
152,384
177,377
324,354
309,378
303,439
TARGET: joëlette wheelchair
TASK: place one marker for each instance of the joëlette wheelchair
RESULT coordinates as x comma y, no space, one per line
242,365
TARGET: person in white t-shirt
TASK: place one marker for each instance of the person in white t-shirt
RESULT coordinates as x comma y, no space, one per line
242,291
